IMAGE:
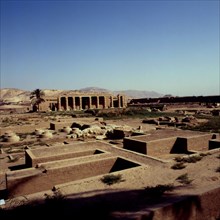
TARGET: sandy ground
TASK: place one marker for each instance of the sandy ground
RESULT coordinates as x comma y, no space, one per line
202,174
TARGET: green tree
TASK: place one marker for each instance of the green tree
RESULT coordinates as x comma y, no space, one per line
37,98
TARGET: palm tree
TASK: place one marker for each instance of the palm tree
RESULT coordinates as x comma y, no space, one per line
36,98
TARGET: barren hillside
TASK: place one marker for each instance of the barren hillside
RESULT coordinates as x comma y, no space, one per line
13,95
18,95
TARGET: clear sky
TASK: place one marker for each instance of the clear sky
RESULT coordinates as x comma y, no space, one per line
171,47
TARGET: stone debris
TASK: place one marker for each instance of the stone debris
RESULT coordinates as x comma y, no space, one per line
10,137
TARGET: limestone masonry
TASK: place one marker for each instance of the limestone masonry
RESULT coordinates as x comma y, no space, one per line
82,101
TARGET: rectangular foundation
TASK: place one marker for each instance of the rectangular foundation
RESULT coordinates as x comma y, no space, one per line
36,156
34,161
32,180
158,144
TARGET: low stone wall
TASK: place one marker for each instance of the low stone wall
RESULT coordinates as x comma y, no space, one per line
155,147
135,145
32,180
32,160
161,146
44,154
170,145
199,143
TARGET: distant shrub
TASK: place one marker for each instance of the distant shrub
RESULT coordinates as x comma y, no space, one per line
184,179
112,179
158,190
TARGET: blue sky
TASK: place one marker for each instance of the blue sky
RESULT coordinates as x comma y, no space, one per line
171,47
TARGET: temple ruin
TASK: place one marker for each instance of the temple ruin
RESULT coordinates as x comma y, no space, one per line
82,101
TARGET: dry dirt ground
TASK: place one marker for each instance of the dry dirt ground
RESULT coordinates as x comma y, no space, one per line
100,201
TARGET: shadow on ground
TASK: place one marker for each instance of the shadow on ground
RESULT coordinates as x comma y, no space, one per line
132,204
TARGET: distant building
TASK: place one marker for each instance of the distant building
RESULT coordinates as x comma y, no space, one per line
205,100
82,101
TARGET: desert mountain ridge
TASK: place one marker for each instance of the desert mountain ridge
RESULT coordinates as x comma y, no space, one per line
20,95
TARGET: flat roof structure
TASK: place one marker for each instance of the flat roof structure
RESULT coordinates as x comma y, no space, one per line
161,142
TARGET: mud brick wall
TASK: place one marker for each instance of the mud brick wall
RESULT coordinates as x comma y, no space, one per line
32,161
198,143
135,145
161,146
169,145
80,171
152,148
29,157
22,182
32,180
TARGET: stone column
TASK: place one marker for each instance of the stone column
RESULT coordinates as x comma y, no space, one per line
80,102
119,101
104,102
67,104
74,103
112,102
123,102
97,101
59,103
90,102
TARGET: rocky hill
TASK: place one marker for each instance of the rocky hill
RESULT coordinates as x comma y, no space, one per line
13,95
136,94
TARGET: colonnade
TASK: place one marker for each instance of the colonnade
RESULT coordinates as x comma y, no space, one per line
67,103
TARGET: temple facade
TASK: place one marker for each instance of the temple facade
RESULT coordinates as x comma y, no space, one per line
82,102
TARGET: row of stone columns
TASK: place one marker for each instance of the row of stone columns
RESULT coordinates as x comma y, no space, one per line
78,102
89,102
